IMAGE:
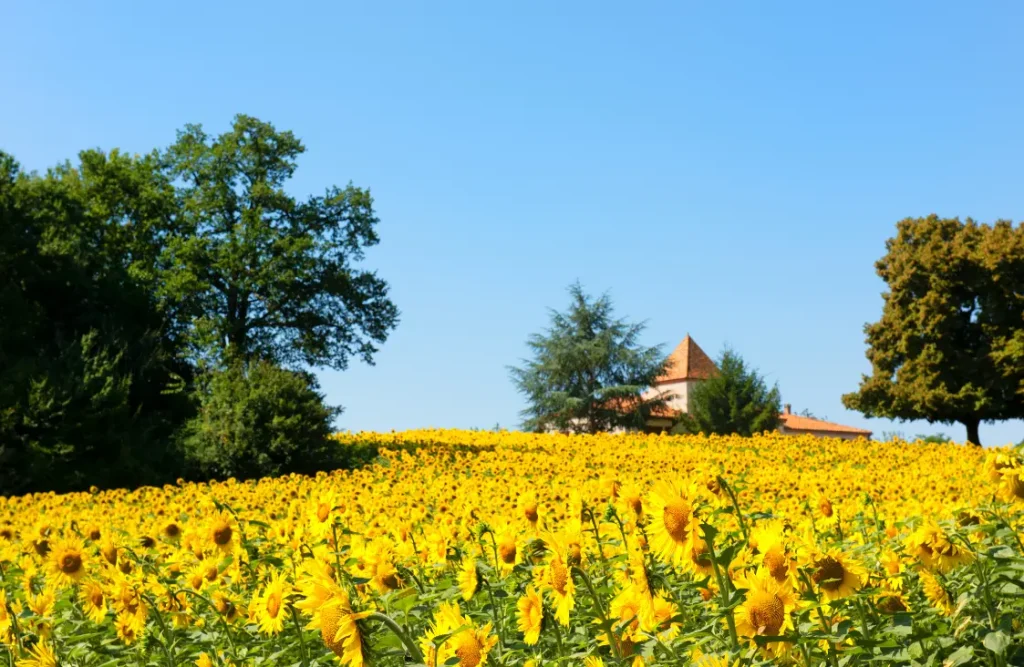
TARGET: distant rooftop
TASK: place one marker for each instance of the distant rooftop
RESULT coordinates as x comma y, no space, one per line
687,362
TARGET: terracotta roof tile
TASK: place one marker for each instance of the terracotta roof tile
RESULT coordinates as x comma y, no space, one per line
801,423
688,362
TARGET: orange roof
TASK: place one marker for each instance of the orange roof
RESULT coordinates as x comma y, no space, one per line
801,423
688,362
624,405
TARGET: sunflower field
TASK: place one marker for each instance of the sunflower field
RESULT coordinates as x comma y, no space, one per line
500,548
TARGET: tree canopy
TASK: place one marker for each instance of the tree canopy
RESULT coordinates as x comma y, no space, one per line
949,346
86,352
588,370
127,283
263,274
735,400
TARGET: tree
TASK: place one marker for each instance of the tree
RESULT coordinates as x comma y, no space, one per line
86,359
262,274
257,420
934,438
950,344
588,370
736,400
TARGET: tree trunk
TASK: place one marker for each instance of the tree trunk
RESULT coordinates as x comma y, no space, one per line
972,431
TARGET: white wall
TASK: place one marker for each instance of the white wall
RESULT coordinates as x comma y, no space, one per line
681,390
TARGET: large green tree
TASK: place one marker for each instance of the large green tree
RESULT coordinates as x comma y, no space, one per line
88,360
265,275
588,370
734,400
949,346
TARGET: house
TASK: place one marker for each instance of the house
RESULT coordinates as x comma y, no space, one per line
689,365
792,424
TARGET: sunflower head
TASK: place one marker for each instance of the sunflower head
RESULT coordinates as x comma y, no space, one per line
836,575
530,615
67,561
673,522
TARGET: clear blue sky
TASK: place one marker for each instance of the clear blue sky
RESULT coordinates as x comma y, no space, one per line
731,172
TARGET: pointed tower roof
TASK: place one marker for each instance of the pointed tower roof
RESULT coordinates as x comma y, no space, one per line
688,362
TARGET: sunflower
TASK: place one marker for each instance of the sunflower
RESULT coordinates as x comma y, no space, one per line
629,611
825,509
226,607
268,607
67,560
698,556
509,552
528,508
339,629
937,593
766,608
836,575
321,514
220,532
662,625
40,655
130,627
108,549
632,502
934,548
891,602
42,603
468,579
5,616
170,531
94,602
556,577
1011,486
672,522
530,616
570,541
316,586
470,645
375,561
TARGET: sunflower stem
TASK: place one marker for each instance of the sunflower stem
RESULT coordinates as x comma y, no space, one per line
736,506
825,623
496,614
597,535
723,591
410,645
862,612
341,574
166,644
599,609
298,631
558,633
220,617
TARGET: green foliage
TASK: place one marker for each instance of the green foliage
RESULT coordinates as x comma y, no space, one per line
86,359
588,371
122,277
736,400
261,274
936,438
950,344
258,420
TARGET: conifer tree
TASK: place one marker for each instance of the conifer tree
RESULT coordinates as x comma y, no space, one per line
588,370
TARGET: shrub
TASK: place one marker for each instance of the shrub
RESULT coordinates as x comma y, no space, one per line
258,420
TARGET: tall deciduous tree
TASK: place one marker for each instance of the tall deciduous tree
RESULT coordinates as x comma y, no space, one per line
86,351
950,344
264,274
588,370
734,400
